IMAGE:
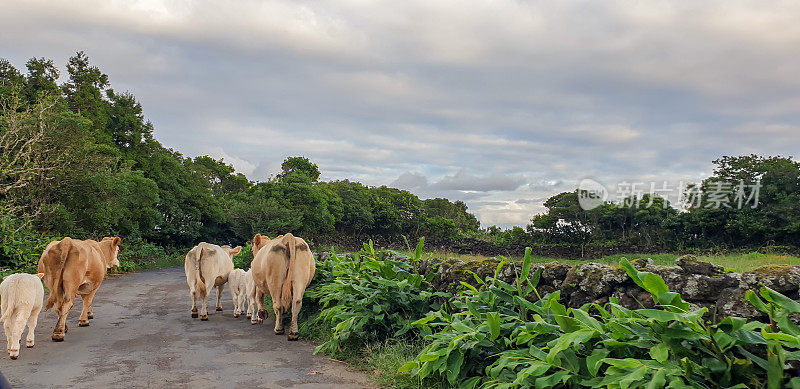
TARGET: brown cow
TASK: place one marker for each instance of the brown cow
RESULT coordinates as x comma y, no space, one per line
282,267
75,267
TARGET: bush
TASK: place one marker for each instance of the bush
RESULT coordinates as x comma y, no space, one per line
370,297
21,246
138,254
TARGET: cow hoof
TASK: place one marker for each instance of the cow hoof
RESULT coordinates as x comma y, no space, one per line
83,323
204,318
91,316
236,315
219,309
249,316
279,332
58,337
14,356
253,322
294,336
194,315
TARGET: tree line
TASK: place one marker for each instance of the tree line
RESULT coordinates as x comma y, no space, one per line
79,159
714,213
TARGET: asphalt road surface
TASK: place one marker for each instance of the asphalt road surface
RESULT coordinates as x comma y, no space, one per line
142,336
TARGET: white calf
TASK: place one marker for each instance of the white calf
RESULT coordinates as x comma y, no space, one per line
250,290
237,283
21,296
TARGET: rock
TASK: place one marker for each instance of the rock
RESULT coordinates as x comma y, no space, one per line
703,288
782,278
733,303
690,264
642,263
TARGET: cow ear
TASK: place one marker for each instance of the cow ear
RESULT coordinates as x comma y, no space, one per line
237,250
40,275
116,241
257,240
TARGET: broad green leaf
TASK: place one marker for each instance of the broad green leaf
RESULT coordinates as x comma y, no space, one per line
660,352
493,320
658,380
780,300
594,361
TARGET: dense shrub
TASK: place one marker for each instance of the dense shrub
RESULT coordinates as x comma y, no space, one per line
20,246
370,297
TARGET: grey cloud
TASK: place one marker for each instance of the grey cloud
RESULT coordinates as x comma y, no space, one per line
510,103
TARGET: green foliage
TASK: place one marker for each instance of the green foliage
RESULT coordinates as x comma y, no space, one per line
244,258
503,335
20,246
369,297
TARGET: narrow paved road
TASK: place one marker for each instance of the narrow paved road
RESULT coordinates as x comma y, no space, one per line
143,336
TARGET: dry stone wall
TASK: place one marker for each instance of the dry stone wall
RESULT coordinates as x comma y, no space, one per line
700,283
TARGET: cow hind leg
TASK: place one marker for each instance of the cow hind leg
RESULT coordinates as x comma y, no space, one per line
262,313
8,328
203,305
297,304
236,312
61,325
276,306
193,293
17,326
219,298
32,320
83,321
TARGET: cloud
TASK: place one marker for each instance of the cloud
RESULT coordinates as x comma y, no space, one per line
499,104
459,181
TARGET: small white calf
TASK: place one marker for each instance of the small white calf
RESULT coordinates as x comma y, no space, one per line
237,283
21,296
250,291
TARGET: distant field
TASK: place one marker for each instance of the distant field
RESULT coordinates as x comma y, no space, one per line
731,262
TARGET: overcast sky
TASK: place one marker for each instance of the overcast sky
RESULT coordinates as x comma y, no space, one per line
498,103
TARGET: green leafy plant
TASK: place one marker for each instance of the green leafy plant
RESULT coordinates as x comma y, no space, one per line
499,335
370,297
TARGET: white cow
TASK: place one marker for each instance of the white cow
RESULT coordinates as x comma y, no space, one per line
21,296
250,291
207,266
237,285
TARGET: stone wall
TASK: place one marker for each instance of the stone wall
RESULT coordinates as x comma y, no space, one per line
700,283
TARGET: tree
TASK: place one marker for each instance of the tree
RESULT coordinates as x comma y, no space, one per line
84,90
125,124
301,164
41,79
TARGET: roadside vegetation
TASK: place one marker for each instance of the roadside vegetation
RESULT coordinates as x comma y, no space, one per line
494,334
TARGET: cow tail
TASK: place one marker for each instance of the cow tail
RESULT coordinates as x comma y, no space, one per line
9,300
57,289
198,266
291,252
